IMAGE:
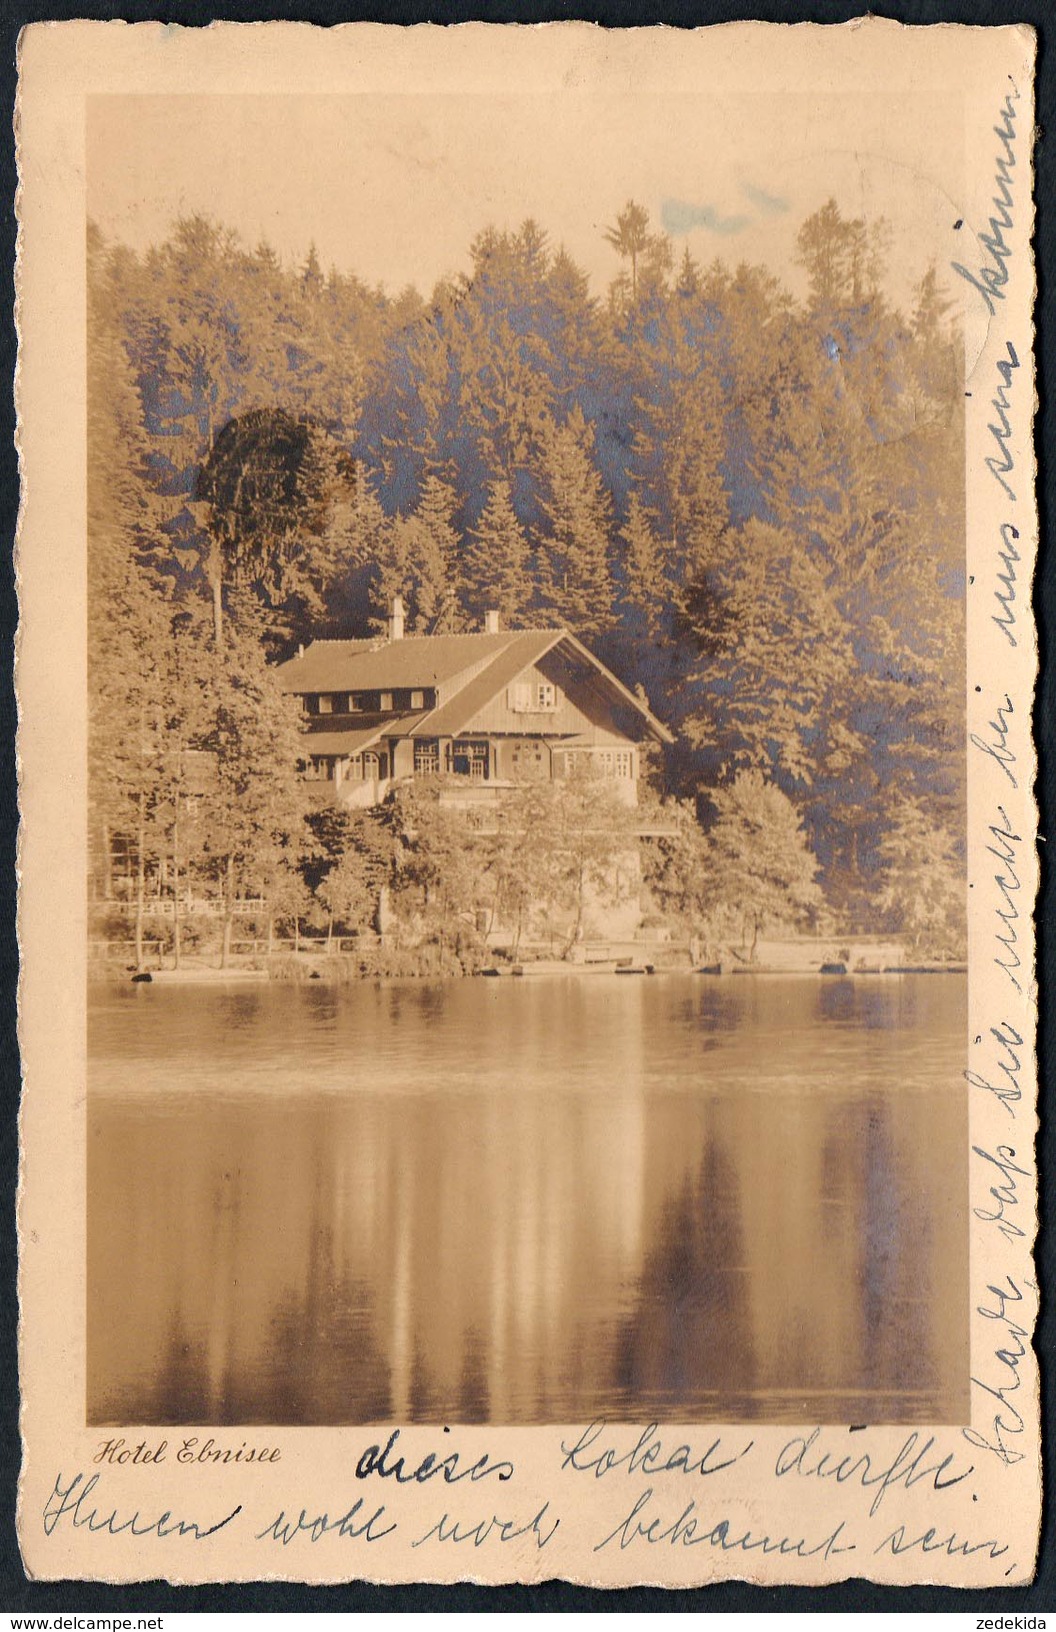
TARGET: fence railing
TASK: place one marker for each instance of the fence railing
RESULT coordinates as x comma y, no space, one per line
163,906
251,947
317,945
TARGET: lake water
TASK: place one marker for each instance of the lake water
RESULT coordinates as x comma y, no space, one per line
680,1198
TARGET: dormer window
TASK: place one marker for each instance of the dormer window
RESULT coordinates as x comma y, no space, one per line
325,704
385,702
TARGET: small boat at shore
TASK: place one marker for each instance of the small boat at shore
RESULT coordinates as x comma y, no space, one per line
192,976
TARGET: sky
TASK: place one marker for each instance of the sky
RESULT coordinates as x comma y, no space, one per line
394,188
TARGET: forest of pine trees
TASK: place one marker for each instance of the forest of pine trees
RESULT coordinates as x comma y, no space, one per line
749,503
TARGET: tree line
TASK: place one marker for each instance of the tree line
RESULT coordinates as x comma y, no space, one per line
749,502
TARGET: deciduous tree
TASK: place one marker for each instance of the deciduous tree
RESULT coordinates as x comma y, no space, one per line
761,868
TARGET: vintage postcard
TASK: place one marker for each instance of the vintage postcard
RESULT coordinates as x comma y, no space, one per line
528,847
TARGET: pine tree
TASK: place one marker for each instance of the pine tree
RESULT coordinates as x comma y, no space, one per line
688,283
575,579
680,440
645,587
506,398
129,613
494,571
312,280
778,668
362,544
843,259
421,563
630,238
253,812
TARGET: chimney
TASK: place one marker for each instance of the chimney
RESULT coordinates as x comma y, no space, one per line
396,620
491,622
300,649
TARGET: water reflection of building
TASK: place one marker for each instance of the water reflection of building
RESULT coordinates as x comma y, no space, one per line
661,1200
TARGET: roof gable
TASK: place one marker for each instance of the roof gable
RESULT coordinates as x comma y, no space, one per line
453,716
470,669
657,729
456,715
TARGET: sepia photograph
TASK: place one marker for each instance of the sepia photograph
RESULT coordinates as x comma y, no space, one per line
526,897
527,840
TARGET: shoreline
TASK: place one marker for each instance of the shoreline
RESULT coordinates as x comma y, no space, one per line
542,970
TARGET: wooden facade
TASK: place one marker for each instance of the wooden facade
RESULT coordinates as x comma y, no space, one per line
484,712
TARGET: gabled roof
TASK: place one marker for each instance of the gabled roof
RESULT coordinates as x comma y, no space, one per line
450,718
470,669
382,665
657,728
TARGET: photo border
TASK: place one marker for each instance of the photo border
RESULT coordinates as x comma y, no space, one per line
723,1595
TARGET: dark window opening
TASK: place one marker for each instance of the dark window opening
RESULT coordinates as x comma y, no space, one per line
470,759
427,758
